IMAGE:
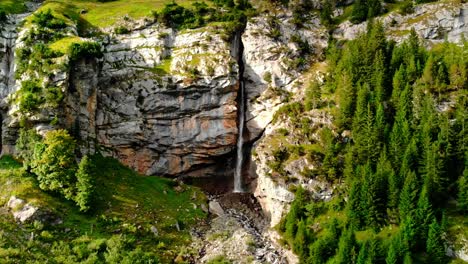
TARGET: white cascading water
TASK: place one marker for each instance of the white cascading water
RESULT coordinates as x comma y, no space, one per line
240,141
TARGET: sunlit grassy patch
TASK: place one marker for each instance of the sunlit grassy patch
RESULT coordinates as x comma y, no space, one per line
64,44
12,6
104,14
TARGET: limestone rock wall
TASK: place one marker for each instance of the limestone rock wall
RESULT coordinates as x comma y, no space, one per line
167,101
161,101
434,22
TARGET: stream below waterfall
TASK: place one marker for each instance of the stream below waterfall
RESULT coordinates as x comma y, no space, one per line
239,233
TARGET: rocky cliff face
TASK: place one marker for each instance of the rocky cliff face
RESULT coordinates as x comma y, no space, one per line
9,40
272,76
434,22
167,101
161,101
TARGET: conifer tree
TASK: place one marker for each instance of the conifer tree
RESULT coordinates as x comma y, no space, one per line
376,186
295,213
433,177
435,244
300,240
424,217
375,252
347,248
408,259
345,98
85,184
462,200
461,133
457,76
398,84
355,208
408,230
445,140
375,8
363,253
381,125
428,76
409,196
360,10
394,251
411,157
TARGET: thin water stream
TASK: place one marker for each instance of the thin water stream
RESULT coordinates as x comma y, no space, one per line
240,141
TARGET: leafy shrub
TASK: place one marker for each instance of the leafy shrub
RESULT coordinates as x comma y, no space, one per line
48,20
304,47
88,50
121,30
29,98
279,157
179,17
53,96
274,33
267,77
406,8
174,15
292,110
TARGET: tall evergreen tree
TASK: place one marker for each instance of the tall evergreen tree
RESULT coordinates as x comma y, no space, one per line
424,217
398,84
433,177
355,206
409,196
397,250
462,198
345,98
300,240
363,253
360,10
408,259
347,248
435,244
408,230
379,78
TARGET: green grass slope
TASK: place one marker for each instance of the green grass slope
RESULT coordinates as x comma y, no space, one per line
117,230
100,14
12,6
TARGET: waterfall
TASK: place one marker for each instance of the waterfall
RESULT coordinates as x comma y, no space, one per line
238,53
240,140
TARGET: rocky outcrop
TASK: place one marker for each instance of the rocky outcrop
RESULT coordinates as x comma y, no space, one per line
434,22
459,251
8,42
25,212
271,52
161,101
167,101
